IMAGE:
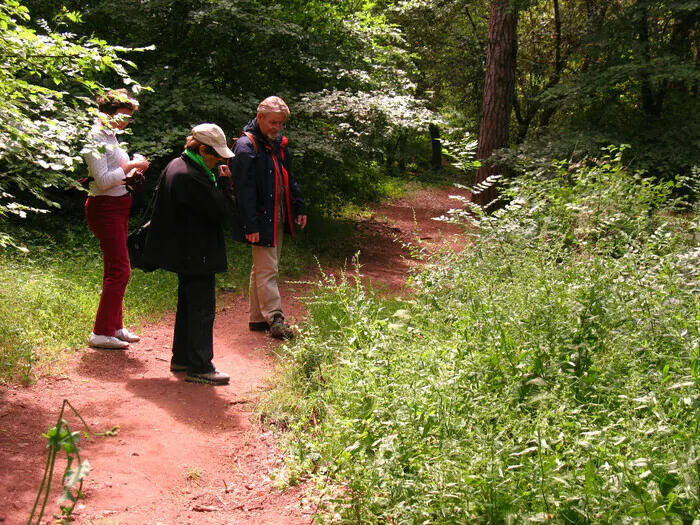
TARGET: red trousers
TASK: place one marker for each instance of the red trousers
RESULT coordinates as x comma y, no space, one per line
108,218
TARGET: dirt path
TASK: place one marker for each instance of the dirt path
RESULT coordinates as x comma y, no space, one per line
185,453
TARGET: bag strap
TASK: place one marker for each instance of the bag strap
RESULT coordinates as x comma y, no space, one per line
252,139
146,215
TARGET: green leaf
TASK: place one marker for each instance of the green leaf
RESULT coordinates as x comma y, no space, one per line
72,480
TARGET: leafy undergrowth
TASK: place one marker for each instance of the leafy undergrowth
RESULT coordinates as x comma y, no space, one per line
548,373
49,295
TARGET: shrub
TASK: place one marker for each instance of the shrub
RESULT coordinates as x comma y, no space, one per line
549,372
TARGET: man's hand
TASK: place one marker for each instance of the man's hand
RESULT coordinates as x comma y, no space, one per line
253,237
301,221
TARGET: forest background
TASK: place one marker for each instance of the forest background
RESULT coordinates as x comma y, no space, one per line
586,114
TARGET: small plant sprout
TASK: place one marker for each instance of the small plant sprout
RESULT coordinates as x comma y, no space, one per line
194,475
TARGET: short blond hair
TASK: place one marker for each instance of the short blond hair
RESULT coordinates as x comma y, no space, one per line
273,105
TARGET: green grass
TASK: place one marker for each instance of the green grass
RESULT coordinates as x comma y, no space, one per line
549,373
49,294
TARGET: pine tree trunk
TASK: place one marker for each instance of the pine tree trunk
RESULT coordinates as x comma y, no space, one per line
498,92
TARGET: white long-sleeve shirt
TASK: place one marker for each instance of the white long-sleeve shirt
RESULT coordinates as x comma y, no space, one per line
105,167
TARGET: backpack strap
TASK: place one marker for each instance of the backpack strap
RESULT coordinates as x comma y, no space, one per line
250,136
252,139
284,153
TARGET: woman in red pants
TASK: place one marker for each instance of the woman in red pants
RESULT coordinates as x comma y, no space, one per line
107,212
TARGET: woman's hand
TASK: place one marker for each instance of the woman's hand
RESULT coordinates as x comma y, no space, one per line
135,180
139,162
224,171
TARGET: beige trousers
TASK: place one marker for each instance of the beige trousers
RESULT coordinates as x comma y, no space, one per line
265,300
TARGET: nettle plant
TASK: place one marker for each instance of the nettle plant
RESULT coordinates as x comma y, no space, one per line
548,372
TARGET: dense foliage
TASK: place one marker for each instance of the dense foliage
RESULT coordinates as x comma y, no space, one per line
588,74
365,81
343,69
599,72
44,78
549,372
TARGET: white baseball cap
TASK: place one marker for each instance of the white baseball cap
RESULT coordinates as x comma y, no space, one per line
212,135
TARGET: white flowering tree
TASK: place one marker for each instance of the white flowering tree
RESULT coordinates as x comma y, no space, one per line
47,82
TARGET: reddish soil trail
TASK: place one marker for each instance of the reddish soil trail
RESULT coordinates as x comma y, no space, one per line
186,453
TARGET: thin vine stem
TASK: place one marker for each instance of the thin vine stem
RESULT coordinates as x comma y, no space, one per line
61,429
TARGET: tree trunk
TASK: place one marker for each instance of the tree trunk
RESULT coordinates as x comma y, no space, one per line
651,102
395,161
498,92
549,109
437,147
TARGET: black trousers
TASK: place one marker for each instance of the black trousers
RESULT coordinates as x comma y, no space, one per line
193,342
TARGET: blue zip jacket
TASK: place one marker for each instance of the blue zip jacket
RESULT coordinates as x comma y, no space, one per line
256,187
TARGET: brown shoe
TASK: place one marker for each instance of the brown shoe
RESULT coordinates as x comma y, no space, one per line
279,329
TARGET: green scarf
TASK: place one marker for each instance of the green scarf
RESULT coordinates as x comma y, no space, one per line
200,162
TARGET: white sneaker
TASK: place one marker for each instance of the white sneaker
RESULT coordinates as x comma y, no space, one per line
106,341
124,335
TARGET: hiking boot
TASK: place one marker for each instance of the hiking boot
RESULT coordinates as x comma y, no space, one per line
107,342
279,329
209,378
259,327
124,335
174,367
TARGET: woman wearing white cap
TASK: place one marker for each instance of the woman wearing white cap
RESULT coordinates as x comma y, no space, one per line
193,204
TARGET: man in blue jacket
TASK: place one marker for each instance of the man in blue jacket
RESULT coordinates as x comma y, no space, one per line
269,203
194,202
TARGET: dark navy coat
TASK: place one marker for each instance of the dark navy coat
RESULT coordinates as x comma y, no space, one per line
256,186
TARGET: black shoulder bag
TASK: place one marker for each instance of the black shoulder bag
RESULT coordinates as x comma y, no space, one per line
136,240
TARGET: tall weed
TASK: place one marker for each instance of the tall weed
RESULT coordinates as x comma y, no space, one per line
549,372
